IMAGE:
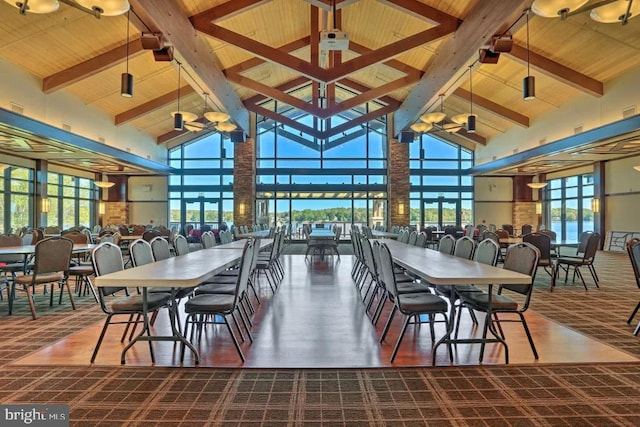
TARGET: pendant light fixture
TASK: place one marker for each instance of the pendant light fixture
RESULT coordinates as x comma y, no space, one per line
529,82
435,116
471,121
177,116
126,81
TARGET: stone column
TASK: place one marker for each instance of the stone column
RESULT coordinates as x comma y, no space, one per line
244,178
397,179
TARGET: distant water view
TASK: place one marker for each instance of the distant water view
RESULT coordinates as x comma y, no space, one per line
572,228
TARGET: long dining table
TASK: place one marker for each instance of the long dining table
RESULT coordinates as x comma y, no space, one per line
183,271
437,268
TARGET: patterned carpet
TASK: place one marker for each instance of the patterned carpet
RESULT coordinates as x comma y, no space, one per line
541,395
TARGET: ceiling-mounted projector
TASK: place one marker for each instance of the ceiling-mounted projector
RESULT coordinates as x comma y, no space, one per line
334,40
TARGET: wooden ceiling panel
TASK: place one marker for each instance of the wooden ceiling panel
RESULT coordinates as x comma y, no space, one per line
275,23
360,19
47,44
581,44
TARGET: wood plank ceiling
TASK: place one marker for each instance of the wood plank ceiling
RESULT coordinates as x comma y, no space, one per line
403,54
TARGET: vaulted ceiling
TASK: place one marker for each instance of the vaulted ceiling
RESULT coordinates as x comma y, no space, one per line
402,54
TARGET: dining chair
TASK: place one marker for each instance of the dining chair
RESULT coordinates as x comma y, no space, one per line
633,249
149,235
509,228
521,258
208,240
543,243
447,244
586,260
50,266
421,240
205,309
413,236
11,265
107,258
552,237
411,305
181,245
160,248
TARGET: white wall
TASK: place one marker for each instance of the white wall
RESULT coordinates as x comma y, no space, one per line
587,111
21,88
622,187
493,200
147,196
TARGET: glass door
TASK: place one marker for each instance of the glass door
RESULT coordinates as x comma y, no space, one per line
440,212
200,214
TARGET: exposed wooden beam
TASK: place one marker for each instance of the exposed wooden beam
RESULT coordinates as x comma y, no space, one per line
558,71
487,18
275,94
314,46
254,62
504,112
172,134
168,17
327,5
91,67
149,106
475,137
284,120
372,115
371,94
392,63
386,52
263,51
352,84
227,10
314,72
421,10
291,84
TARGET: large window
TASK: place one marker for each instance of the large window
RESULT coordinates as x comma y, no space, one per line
201,188
71,201
569,206
441,190
16,200
302,179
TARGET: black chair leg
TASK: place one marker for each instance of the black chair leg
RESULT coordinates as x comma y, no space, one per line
397,346
634,313
526,329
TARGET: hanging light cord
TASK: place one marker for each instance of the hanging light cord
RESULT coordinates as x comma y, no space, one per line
470,91
528,66
179,68
128,22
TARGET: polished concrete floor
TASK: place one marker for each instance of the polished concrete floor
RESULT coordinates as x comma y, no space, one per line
317,319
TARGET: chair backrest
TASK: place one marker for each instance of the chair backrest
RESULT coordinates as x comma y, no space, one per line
447,244
492,227
141,252
7,241
421,240
413,236
593,244
582,242
491,235
138,230
509,228
76,237
542,242
522,258
464,247
487,252
107,258
97,228
481,228
181,245
367,255
52,255
123,230
502,233
160,248
450,230
208,240
51,230
28,238
552,234
526,229
633,249
107,238
149,235
385,265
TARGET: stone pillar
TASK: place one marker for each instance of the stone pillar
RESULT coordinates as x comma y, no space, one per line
244,178
115,200
397,180
524,206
